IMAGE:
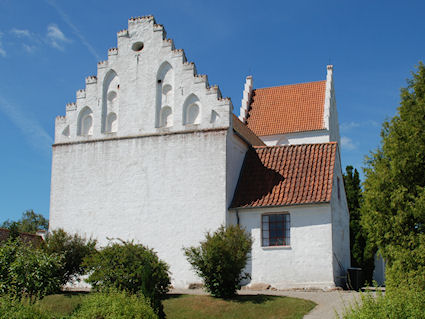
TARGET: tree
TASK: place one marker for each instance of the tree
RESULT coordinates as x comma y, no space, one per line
393,213
133,268
362,252
28,271
220,260
74,249
30,222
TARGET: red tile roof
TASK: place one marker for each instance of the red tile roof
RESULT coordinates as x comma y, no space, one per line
287,109
243,130
33,239
286,175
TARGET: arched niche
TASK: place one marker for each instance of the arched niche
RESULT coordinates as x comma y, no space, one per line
85,122
164,91
110,98
214,117
111,123
66,132
192,110
166,117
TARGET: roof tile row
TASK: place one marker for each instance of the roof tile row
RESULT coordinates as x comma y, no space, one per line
286,175
287,109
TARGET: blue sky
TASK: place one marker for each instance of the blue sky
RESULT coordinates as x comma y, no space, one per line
47,48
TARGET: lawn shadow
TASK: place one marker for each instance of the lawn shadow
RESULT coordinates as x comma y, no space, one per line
255,299
174,296
70,294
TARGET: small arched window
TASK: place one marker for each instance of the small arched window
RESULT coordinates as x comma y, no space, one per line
85,122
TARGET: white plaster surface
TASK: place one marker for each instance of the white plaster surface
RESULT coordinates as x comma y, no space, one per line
340,226
236,150
163,191
138,103
307,262
310,137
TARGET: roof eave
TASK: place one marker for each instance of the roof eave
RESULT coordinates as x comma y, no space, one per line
275,206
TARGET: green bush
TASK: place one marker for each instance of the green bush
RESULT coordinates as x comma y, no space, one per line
28,271
131,267
114,305
11,308
74,248
220,259
397,304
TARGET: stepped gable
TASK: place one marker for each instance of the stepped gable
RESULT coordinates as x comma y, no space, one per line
146,86
286,175
287,109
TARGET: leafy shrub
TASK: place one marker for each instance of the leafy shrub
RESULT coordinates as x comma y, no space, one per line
28,271
407,268
74,248
131,267
220,259
114,305
398,303
11,308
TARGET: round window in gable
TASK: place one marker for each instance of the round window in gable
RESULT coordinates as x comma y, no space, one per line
137,46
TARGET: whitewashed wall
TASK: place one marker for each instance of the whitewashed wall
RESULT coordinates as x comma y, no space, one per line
308,260
340,226
160,180
137,79
164,192
310,137
236,150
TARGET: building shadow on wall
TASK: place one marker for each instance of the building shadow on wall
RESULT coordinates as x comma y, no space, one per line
258,184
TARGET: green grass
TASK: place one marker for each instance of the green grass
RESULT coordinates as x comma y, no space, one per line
61,304
205,307
241,307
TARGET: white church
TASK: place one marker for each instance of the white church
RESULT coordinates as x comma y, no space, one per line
151,152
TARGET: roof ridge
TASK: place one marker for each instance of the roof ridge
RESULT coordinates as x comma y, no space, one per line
292,145
278,86
22,233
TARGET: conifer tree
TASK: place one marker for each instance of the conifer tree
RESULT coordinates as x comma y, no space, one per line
362,253
393,212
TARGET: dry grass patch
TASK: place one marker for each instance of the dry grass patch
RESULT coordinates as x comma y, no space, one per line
200,307
240,307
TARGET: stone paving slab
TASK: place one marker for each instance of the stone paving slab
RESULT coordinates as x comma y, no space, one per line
328,302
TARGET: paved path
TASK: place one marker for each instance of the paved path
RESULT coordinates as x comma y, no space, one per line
328,302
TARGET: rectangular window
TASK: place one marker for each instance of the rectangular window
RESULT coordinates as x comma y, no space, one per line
275,229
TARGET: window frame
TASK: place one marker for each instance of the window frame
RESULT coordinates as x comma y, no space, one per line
285,229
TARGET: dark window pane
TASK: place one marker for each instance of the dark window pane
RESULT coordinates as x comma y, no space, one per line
275,229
